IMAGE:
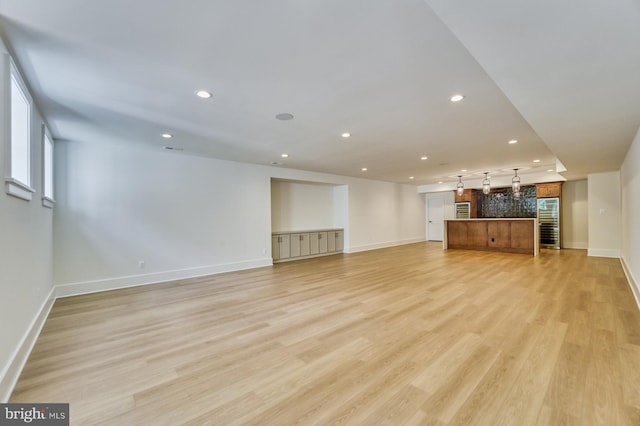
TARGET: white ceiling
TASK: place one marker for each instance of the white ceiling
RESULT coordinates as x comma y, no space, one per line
561,77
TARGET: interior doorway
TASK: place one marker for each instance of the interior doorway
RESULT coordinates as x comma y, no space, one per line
435,219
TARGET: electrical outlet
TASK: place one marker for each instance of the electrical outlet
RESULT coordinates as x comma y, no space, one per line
141,264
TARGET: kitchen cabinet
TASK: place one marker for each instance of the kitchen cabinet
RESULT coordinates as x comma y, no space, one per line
318,242
477,234
292,245
499,235
457,233
280,246
548,190
506,235
299,244
522,235
335,241
467,196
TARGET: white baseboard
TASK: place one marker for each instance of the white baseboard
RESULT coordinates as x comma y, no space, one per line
635,288
10,375
75,289
572,245
384,245
603,253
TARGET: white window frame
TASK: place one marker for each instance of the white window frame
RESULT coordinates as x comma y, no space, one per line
16,187
47,168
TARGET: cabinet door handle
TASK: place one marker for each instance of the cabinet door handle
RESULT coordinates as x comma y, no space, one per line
301,238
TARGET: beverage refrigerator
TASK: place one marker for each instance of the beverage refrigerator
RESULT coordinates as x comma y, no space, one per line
549,222
463,210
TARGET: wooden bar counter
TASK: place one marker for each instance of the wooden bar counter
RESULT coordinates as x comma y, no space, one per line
516,235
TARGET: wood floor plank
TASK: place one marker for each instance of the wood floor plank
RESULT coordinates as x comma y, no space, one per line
446,400
630,366
568,379
604,401
405,335
483,404
524,400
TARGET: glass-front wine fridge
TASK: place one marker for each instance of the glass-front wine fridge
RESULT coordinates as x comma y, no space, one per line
549,222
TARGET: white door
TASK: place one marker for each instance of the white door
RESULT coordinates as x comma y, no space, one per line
435,219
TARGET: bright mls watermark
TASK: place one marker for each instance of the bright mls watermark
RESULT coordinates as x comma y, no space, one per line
34,414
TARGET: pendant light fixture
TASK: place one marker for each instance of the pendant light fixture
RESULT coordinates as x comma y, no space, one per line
460,186
486,184
515,184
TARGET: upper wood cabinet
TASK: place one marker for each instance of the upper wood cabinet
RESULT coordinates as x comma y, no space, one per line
468,195
548,190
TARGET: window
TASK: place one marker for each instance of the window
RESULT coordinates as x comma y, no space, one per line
19,133
47,169
19,182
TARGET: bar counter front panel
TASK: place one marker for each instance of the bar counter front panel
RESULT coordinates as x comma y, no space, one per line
514,235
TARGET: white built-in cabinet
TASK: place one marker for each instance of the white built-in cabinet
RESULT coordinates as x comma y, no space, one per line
300,244
303,244
281,246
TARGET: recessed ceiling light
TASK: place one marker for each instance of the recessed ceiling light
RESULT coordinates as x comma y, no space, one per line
424,157
203,94
439,182
346,135
457,98
167,135
411,177
512,141
284,155
536,161
550,170
463,170
284,116
364,169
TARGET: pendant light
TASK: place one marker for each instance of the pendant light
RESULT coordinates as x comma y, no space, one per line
460,186
515,184
486,184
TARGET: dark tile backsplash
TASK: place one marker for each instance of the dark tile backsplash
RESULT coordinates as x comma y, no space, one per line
500,202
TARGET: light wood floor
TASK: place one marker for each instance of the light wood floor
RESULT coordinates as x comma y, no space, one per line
400,336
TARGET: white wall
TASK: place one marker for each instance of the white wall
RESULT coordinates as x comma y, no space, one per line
186,216
298,206
575,224
341,211
630,181
604,214
25,252
181,215
383,214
